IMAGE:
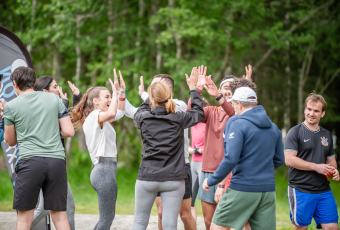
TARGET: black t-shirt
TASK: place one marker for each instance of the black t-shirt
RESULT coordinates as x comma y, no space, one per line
311,146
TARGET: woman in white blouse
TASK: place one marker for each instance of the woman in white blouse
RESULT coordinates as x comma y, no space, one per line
94,112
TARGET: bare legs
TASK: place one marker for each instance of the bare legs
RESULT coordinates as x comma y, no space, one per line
25,219
208,212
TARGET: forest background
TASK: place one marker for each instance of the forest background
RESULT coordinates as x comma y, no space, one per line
293,46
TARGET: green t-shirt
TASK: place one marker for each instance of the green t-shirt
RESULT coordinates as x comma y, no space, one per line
36,119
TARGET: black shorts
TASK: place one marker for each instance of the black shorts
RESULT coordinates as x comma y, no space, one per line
35,173
188,184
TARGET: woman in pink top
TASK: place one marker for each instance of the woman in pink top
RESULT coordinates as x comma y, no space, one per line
196,150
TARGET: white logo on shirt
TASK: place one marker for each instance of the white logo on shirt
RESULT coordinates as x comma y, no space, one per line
231,135
305,140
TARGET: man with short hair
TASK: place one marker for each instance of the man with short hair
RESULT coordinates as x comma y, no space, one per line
33,120
254,149
185,209
310,156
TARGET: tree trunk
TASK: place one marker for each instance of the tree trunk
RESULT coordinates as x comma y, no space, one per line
138,42
81,140
110,37
287,85
225,65
56,71
300,86
34,3
78,52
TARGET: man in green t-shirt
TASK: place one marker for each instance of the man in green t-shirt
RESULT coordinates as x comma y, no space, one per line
33,120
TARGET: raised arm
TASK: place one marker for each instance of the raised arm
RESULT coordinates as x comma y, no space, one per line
213,91
77,95
110,114
195,114
121,98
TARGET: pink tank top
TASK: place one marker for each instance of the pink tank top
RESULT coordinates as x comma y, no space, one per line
197,135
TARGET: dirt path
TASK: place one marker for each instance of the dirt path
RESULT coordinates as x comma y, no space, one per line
87,222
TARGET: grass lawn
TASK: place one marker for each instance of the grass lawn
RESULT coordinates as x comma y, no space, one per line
86,197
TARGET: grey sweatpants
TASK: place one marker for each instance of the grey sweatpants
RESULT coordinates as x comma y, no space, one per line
196,171
145,193
103,180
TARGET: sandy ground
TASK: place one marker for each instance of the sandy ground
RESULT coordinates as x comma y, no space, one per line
87,222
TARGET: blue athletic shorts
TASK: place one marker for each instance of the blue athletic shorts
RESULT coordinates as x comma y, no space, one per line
305,206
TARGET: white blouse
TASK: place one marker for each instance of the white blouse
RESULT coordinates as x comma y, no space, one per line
101,142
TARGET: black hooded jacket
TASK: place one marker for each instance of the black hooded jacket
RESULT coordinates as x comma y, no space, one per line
163,139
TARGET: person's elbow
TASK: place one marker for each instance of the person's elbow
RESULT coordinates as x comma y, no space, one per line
69,132
10,141
289,161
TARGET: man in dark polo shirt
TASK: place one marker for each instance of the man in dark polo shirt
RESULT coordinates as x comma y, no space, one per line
310,157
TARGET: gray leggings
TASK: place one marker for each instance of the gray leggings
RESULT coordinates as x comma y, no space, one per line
196,171
146,191
103,180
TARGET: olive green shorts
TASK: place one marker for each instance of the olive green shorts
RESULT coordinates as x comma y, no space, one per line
236,208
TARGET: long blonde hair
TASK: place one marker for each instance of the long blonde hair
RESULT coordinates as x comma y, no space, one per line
161,93
80,112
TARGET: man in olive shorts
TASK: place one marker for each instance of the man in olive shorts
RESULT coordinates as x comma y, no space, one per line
253,150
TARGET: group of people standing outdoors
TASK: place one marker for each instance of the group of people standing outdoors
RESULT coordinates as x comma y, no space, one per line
235,149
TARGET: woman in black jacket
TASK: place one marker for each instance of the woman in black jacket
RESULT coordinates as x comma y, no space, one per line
162,168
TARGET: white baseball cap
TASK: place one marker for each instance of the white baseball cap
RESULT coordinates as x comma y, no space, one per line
244,94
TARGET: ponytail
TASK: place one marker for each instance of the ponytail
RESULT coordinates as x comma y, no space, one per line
170,106
161,93
80,112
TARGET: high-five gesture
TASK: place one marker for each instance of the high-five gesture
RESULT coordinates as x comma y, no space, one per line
202,71
141,86
211,88
74,89
249,71
122,83
114,90
192,81
62,95
116,84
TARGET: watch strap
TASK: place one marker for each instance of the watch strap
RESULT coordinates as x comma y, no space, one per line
219,97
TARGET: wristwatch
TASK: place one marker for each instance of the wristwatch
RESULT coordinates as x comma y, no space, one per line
219,97
220,185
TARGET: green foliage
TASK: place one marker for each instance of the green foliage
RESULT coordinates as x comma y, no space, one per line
151,37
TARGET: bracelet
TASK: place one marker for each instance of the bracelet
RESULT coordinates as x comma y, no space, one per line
124,92
220,185
219,97
122,98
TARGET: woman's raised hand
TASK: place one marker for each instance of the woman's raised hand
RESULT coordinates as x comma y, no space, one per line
122,83
116,84
114,90
192,80
62,95
141,86
74,89
202,72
